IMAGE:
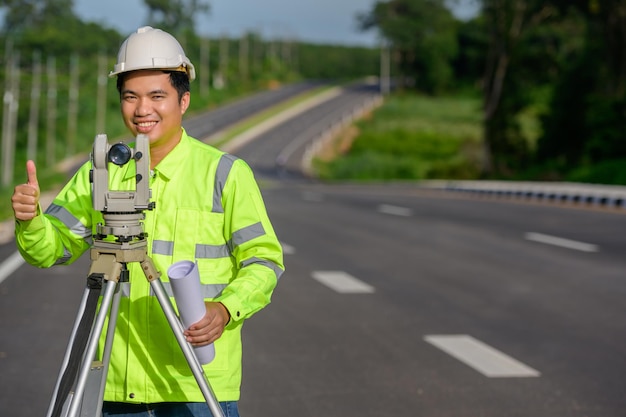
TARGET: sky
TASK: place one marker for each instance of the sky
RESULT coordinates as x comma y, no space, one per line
318,21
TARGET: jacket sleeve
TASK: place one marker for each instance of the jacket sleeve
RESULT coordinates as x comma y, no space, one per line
63,232
257,251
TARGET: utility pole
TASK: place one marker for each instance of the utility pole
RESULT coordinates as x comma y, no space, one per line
257,53
33,117
286,51
273,57
222,80
101,104
9,119
243,57
385,83
51,112
72,111
205,66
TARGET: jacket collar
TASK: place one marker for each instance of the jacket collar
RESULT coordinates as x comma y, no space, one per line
168,165
173,160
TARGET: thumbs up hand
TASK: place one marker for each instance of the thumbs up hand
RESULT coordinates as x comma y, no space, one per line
26,196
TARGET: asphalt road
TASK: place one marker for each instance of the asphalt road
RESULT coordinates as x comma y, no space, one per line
396,301
438,265
205,125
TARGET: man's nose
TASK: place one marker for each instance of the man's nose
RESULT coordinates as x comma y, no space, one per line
143,107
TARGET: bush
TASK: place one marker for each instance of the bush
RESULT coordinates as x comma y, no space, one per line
608,172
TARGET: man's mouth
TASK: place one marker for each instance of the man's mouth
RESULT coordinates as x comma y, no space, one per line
145,126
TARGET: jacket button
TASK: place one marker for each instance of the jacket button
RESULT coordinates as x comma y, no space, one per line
238,314
132,395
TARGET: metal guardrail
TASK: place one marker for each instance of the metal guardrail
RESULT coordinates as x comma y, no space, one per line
333,127
610,196
598,195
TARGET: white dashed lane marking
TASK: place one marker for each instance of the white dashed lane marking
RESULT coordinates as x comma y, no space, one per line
288,249
559,241
9,265
342,282
395,210
483,358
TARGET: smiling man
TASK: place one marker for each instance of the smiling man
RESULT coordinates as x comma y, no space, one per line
152,106
208,209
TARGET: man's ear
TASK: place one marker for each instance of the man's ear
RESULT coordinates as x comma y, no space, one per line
185,100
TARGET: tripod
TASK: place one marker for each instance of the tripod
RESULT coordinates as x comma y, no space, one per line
82,390
79,390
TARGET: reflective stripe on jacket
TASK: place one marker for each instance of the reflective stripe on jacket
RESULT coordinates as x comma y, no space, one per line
208,209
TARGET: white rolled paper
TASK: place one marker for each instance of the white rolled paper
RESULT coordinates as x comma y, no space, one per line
185,281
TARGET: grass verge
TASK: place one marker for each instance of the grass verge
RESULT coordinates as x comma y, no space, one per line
411,137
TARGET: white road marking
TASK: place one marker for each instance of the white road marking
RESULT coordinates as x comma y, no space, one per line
483,358
559,241
287,249
9,265
342,282
264,126
395,210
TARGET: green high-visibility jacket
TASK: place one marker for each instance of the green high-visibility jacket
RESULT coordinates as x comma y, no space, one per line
209,210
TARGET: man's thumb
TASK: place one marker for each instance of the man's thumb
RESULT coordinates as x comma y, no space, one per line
31,171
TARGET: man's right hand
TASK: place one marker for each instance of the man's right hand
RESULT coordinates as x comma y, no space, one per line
26,196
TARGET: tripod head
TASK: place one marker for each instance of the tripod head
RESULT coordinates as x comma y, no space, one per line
122,209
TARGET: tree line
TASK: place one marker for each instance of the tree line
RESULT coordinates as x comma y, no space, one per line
551,73
558,63
55,65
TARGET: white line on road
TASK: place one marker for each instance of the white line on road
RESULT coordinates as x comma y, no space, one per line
287,249
559,241
395,210
9,265
483,358
264,126
342,282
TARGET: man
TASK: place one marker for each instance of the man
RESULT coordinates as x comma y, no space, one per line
208,209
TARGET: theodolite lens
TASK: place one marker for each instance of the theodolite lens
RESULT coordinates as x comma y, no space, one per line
120,154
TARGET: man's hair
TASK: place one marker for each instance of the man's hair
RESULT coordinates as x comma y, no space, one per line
178,79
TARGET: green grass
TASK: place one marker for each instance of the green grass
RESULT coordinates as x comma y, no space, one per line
413,137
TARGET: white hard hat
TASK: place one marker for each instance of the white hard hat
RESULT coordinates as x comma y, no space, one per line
150,48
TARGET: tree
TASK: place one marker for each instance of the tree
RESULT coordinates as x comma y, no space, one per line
520,58
588,118
581,46
469,63
21,14
422,35
175,16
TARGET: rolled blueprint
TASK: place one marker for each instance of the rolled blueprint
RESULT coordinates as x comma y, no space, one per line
185,282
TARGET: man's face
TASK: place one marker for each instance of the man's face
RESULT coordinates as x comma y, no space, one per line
150,106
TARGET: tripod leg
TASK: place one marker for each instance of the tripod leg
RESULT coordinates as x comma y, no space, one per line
75,348
90,352
177,328
91,405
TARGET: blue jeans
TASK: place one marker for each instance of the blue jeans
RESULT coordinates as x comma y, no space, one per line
111,409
